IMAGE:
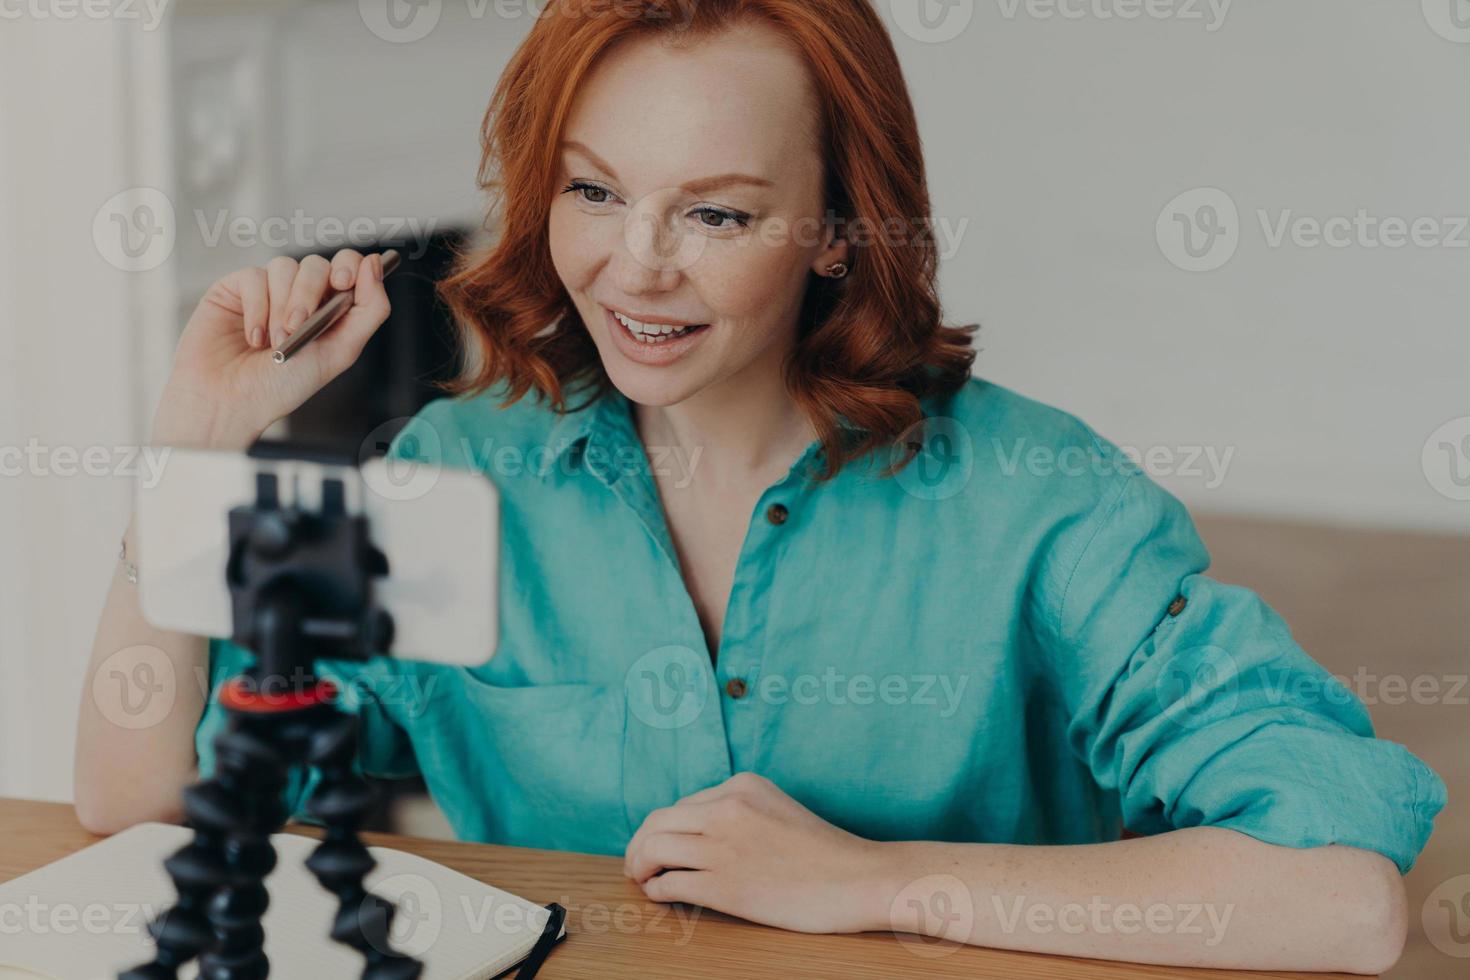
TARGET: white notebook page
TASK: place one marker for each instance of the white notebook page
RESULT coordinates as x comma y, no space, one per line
85,917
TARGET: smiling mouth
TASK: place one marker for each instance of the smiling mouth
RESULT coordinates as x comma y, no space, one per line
655,333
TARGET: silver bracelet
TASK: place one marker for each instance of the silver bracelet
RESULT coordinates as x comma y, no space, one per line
129,569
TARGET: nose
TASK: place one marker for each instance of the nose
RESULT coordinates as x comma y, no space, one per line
655,252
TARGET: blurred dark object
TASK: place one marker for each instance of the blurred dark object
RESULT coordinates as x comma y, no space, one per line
394,377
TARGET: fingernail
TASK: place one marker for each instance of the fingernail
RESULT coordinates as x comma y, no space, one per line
340,278
298,315
257,336
378,267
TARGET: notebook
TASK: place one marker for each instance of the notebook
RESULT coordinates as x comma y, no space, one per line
85,917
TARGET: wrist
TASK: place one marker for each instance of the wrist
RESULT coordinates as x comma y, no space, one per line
184,419
882,876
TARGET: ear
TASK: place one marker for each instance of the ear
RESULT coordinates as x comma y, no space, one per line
837,250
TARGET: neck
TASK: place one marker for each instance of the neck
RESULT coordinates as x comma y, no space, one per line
745,428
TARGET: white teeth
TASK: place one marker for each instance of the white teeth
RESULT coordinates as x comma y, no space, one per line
650,333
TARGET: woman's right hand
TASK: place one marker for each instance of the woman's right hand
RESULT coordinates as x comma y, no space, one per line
224,389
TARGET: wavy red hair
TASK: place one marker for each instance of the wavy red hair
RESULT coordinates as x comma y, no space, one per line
869,346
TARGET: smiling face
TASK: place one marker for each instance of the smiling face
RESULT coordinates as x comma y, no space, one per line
691,197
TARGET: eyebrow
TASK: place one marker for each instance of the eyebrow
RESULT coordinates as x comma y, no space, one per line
700,186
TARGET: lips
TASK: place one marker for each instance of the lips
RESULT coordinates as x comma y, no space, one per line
648,342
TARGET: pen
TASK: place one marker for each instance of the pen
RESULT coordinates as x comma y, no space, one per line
326,315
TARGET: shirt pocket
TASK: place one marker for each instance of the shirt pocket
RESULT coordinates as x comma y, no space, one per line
534,766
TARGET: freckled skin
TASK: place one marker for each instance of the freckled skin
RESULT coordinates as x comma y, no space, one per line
661,117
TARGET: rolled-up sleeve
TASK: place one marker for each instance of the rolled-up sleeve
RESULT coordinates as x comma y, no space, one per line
384,749
1190,699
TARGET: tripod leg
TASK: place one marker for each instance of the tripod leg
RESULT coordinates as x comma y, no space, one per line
341,862
219,876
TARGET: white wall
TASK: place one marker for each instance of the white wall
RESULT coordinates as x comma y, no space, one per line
67,378
1059,140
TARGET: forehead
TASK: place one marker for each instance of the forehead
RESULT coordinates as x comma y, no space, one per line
661,115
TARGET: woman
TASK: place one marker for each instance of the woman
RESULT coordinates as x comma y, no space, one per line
811,626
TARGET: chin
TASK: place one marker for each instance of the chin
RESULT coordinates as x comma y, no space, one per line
656,388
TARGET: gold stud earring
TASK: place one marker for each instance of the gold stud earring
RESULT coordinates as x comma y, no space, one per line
837,270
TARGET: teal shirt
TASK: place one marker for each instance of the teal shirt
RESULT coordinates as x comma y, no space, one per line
1013,640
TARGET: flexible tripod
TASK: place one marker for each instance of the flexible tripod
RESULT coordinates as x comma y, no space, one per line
301,589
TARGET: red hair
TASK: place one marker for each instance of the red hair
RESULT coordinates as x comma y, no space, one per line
868,346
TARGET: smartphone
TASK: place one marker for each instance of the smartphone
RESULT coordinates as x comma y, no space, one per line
438,528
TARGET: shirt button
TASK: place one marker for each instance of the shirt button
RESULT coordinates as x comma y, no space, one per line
735,687
777,513
1177,606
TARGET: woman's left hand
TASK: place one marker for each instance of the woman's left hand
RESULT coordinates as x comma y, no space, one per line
747,849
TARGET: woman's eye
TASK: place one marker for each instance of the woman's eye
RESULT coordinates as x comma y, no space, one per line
722,220
590,193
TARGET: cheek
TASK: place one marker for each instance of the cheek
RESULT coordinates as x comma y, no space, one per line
755,284
567,235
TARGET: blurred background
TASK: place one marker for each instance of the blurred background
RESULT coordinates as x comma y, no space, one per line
1232,237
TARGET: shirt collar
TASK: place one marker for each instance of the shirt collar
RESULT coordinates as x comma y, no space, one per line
609,419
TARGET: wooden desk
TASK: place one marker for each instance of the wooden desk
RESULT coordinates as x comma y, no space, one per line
614,932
